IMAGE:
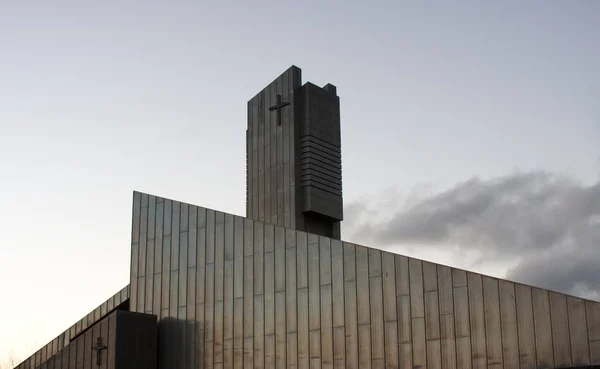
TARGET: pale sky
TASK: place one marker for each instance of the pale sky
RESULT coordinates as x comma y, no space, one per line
98,99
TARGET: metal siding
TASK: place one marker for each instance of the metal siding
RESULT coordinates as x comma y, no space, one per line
508,319
362,286
578,331
337,283
561,342
351,324
376,305
525,326
592,310
477,321
543,332
493,330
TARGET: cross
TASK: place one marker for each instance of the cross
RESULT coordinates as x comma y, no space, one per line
98,347
278,105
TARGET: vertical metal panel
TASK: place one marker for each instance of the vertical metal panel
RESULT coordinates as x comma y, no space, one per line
280,334
493,328
219,256
201,266
592,310
434,355
364,345
303,343
374,262
183,265
351,323
314,338
227,353
248,237
218,332
432,315
461,312
376,305
199,336
175,219
349,262
391,344
228,316
258,258
459,278
325,260
229,237
166,271
463,353
444,277
238,332
326,327
578,331
248,297
192,235
279,259
292,350
429,276
418,340
301,261
269,293
259,331
404,319
339,348
508,319
416,289
337,282
477,321
543,332
210,236
561,341
209,300
290,291
405,360
269,351
525,326
448,343
402,275
314,302
389,287
238,276
269,235
362,286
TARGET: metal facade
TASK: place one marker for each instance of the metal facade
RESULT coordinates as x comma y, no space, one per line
237,293
118,300
293,148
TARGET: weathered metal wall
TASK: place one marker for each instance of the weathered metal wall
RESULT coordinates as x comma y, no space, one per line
236,293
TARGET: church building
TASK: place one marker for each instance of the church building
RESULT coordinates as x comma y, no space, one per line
279,288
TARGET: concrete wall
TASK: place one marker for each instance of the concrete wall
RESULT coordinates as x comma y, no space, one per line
237,293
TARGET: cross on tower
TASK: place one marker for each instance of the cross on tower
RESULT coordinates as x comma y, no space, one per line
98,348
278,105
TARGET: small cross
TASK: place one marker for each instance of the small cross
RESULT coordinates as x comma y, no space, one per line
278,105
98,348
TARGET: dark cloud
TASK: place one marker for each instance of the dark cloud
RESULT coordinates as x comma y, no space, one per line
550,223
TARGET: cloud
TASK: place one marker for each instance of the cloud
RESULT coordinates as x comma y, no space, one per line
549,223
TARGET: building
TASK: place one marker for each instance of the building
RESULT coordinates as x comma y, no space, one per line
280,289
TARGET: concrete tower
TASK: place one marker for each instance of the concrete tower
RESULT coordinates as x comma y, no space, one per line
294,163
